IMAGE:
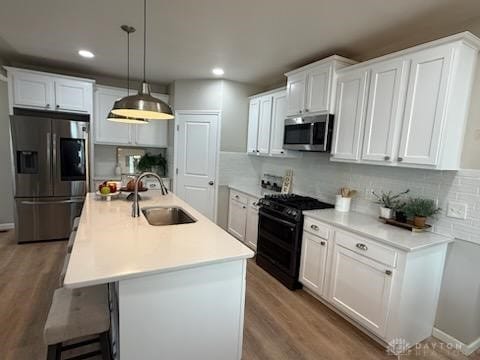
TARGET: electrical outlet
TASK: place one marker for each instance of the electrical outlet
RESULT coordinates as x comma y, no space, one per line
457,210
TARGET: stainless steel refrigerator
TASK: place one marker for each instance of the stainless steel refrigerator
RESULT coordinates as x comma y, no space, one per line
50,157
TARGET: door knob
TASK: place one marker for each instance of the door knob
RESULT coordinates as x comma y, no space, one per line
211,183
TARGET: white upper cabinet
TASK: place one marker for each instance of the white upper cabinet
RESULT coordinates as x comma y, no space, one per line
296,93
319,83
32,90
253,114
109,132
44,91
349,120
153,134
73,95
265,120
385,100
417,106
425,105
279,110
311,89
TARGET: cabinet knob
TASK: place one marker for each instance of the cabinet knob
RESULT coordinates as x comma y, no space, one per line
58,106
386,158
322,243
236,196
300,111
400,159
307,110
388,272
47,106
211,183
281,152
362,246
243,207
314,227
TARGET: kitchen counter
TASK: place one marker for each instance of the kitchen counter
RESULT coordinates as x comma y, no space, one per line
111,245
252,190
371,227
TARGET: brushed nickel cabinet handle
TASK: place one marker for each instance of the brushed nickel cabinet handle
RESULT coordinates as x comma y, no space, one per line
314,227
400,159
388,272
362,246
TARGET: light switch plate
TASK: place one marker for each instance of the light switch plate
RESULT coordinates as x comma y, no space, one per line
457,210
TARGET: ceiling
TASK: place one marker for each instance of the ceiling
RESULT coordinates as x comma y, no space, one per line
255,41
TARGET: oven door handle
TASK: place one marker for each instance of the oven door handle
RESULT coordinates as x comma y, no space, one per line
284,222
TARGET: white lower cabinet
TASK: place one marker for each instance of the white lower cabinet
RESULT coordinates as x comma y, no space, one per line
243,218
389,293
313,263
361,288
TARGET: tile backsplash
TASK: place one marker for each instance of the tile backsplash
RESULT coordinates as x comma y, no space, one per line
316,176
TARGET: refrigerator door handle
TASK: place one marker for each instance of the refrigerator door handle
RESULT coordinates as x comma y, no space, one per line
49,161
70,201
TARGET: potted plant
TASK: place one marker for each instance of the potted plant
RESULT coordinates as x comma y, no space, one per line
419,209
149,162
388,202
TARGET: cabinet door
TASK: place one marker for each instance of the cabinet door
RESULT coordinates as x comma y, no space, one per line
384,110
349,121
109,132
296,94
264,122
279,112
318,88
251,234
155,133
425,106
313,263
33,91
72,95
237,219
361,288
253,114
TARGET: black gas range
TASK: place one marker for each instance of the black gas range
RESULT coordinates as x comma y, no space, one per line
280,228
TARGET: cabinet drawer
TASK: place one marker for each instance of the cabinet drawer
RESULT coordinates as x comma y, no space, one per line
317,228
368,248
238,196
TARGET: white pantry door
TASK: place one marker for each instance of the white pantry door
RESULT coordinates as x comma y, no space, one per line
197,148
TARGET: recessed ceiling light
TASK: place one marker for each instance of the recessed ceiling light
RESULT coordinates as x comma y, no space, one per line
218,71
86,54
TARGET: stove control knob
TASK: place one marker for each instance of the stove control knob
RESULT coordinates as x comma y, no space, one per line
293,213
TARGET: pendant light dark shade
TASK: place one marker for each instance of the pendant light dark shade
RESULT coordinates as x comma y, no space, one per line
122,119
143,105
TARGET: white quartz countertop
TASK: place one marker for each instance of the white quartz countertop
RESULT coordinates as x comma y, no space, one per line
252,190
373,228
111,245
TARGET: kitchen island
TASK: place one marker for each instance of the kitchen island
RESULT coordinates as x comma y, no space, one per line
180,289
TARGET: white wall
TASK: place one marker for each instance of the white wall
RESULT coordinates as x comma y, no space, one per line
6,190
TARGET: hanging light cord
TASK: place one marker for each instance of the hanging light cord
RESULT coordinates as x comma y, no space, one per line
128,63
144,36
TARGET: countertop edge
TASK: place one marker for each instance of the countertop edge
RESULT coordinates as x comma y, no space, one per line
447,240
140,274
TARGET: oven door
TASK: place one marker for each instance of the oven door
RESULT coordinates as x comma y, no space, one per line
278,241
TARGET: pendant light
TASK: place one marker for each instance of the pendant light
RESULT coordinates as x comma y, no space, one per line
143,105
123,119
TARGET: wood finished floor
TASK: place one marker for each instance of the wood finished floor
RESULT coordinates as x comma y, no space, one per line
279,324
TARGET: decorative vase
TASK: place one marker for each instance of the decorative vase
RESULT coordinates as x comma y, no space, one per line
419,221
386,213
342,204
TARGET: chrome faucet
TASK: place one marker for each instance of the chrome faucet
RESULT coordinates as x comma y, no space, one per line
135,206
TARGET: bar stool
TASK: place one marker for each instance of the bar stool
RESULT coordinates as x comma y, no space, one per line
76,222
71,240
76,314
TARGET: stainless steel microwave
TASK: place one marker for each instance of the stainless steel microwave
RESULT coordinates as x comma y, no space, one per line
308,133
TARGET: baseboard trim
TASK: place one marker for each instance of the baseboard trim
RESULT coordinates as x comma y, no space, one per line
464,348
7,226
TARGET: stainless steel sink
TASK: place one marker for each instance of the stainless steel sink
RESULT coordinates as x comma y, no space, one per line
161,216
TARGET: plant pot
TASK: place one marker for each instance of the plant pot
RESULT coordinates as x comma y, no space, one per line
419,221
400,216
386,213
